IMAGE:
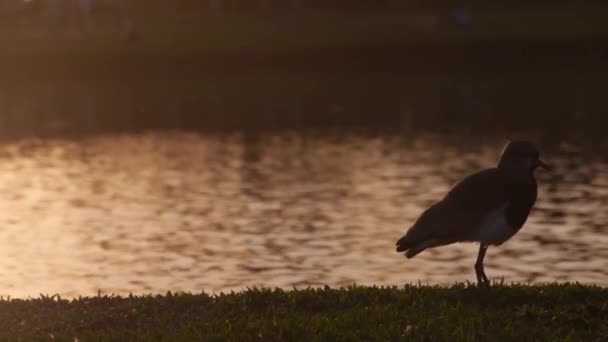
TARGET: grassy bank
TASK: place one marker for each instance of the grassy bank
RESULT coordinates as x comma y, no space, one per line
459,312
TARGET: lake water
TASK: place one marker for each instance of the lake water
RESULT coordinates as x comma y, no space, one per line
149,213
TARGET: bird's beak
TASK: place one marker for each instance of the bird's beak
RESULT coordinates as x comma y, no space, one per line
543,165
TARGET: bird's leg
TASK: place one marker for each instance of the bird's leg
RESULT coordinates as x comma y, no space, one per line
482,279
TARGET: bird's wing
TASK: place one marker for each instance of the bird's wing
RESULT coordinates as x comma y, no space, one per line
460,211
479,193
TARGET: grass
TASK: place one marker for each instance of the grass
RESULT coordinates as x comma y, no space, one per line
415,313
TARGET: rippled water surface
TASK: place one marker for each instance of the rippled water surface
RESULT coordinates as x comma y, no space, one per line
156,212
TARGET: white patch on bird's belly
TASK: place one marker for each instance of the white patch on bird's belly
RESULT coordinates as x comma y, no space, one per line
494,228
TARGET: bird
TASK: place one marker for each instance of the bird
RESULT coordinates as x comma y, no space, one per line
487,207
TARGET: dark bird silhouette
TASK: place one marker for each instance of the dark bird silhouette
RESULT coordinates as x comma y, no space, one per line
488,207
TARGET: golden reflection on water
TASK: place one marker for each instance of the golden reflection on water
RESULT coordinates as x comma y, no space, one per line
157,212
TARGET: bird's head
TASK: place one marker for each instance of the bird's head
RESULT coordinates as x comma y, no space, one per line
521,156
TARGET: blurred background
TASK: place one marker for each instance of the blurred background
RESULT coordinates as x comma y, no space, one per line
193,145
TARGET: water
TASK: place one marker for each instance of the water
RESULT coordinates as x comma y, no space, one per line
149,213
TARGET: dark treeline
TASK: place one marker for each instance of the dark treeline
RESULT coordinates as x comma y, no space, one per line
359,4
564,103
513,71
143,6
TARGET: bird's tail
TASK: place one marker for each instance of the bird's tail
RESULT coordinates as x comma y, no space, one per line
411,248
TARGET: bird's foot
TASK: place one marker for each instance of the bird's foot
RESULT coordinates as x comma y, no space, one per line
482,279
483,282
